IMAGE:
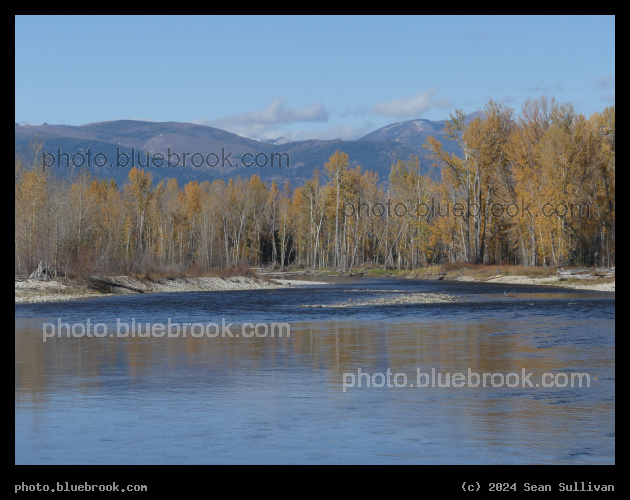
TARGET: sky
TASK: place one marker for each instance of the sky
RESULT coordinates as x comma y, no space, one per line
304,77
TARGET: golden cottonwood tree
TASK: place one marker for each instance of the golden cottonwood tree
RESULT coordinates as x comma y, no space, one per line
335,167
550,158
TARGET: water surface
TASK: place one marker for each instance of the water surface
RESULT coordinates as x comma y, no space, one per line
161,400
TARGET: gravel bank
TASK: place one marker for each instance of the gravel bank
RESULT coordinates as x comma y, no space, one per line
524,280
35,290
405,298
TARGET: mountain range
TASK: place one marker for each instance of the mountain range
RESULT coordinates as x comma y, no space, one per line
117,142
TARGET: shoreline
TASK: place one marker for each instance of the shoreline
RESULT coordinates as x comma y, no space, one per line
472,275
608,286
595,285
33,290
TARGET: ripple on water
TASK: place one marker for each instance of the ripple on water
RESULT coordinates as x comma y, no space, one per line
282,400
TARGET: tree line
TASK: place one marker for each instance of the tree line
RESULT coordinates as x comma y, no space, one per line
532,189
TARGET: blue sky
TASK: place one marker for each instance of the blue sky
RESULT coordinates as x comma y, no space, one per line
323,77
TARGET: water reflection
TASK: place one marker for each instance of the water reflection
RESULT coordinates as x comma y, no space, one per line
280,400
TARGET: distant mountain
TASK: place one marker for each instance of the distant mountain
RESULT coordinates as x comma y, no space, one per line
122,139
279,141
115,139
414,133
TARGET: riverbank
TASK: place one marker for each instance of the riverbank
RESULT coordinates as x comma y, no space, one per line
515,275
62,289
28,290
603,285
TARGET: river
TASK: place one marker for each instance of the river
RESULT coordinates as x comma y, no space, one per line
340,385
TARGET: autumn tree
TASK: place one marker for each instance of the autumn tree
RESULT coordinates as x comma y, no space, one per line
335,167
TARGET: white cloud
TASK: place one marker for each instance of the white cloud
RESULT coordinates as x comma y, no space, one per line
414,105
340,131
257,123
